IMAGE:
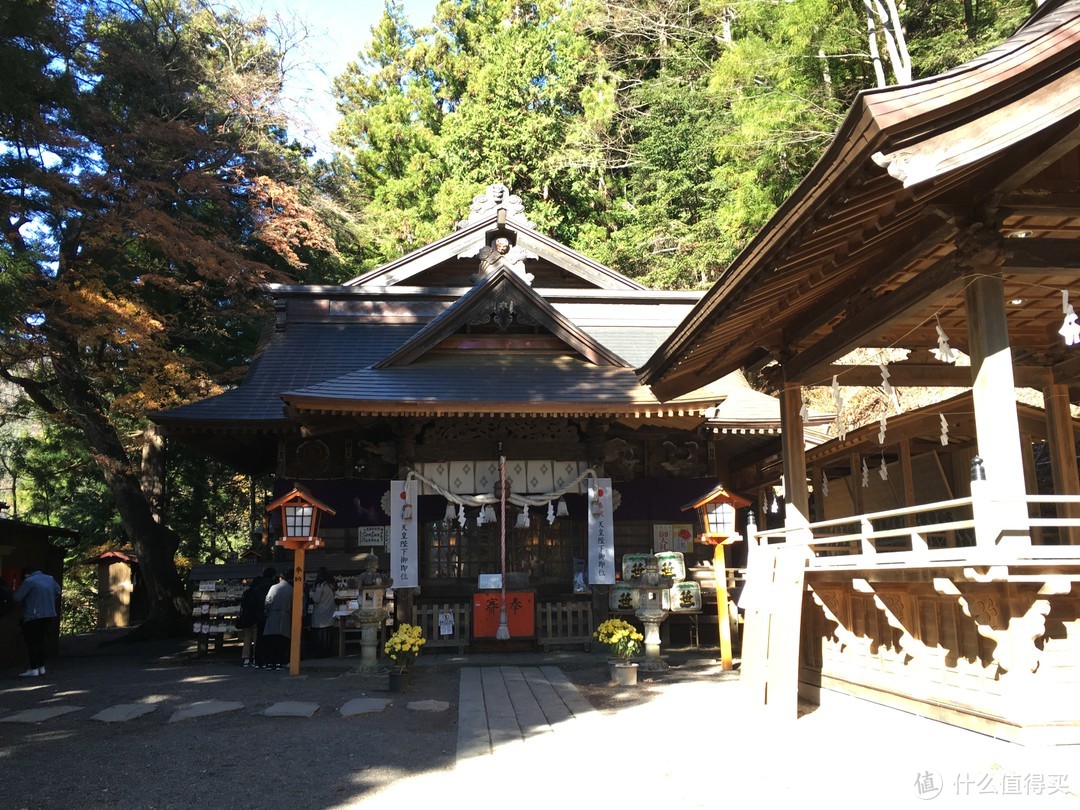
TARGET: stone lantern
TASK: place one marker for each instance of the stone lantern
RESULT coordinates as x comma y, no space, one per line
651,611
372,613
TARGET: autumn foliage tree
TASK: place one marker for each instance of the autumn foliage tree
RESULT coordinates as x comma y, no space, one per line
146,192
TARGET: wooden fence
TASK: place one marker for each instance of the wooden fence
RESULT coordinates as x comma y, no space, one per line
565,623
427,618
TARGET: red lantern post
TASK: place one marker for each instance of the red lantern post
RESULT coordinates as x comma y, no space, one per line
300,518
717,512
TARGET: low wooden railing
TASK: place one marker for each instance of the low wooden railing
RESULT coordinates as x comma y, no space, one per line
565,622
854,542
426,617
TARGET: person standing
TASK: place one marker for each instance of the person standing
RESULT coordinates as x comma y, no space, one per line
269,577
38,595
252,605
322,614
278,628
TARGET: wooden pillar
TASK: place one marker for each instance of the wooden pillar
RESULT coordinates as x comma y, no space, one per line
856,484
1031,484
1062,446
784,573
796,493
996,424
907,477
296,627
817,475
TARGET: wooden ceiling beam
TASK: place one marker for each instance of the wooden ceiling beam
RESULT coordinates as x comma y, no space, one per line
1041,256
809,366
1062,205
919,375
869,279
1048,150
1067,372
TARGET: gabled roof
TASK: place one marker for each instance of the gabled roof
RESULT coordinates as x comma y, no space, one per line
501,292
495,213
455,328
861,255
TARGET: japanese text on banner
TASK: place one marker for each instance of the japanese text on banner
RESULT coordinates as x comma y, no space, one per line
601,533
403,544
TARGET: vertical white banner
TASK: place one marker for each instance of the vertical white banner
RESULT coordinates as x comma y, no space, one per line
601,533
404,512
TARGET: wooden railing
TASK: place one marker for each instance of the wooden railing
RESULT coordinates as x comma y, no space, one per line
860,541
426,617
565,622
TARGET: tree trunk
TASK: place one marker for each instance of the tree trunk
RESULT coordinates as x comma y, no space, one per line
152,471
875,56
154,543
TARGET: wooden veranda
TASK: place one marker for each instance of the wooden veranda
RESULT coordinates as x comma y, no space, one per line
945,214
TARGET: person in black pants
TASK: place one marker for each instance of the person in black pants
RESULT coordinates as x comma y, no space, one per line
269,577
38,595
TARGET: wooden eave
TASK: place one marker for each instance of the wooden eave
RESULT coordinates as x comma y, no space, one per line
855,258
314,406
500,283
923,427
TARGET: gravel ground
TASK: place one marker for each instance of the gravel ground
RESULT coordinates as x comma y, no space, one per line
239,758
704,746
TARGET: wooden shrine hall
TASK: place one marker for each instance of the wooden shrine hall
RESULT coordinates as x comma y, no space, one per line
493,342
944,217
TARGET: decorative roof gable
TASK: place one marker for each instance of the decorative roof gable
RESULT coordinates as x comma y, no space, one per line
497,215
502,298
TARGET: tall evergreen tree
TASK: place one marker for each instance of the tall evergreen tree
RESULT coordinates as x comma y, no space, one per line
432,116
146,191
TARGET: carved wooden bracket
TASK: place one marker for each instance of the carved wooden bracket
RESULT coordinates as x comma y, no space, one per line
1015,650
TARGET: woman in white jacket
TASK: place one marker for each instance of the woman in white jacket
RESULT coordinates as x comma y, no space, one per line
322,613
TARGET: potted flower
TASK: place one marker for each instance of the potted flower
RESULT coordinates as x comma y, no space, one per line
624,640
404,645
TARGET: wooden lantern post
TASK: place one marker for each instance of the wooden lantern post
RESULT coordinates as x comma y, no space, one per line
300,517
716,510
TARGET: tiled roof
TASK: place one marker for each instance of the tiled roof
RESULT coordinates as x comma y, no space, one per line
503,379
305,354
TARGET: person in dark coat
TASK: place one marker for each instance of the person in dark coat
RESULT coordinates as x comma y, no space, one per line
278,628
258,596
252,609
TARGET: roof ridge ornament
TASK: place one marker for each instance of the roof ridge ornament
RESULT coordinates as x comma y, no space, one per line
495,198
501,252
